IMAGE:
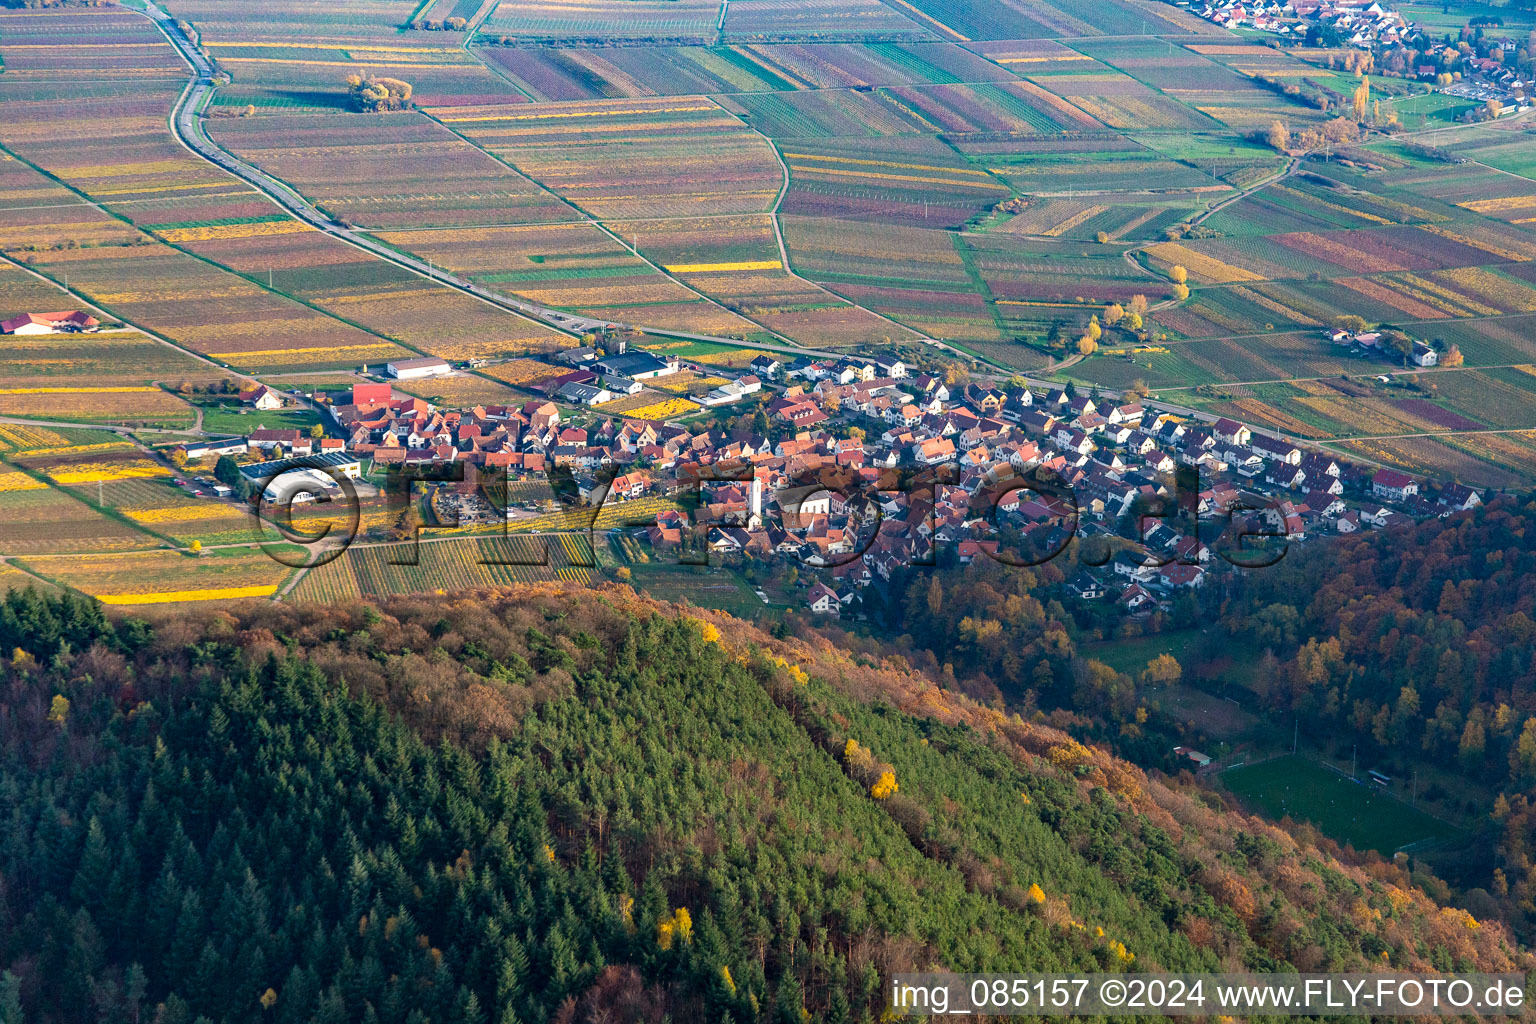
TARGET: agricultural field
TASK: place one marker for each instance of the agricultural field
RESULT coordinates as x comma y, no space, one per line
439,565
683,155
435,178
291,54
691,21
840,174
147,578
825,19
908,180
735,261
121,405
461,390
37,518
573,266
124,357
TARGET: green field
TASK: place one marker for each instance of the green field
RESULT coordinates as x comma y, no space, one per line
231,418
713,587
1348,812
1430,107
1131,655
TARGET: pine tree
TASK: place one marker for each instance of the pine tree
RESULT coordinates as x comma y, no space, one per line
10,999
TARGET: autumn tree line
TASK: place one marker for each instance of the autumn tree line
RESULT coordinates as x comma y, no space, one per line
1420,645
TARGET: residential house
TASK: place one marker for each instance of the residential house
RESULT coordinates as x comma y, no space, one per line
262,398
1393,486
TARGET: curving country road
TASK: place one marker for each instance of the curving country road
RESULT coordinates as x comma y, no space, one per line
188,129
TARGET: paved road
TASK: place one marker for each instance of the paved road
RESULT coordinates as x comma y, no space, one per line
112,428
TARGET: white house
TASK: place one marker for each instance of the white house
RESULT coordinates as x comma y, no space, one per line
1232,432
1394,486
263,398
823,600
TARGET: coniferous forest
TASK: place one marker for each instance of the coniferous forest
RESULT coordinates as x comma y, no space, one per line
544,805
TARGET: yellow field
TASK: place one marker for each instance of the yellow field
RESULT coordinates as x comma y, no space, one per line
164,577
1496,205
665,409
15,480
220,231
1512,295
202,511
1073,221
124,170
78,449
991,186
721,268
266,353
181,596
1200,266
521,371
106,472
1497,250
23,438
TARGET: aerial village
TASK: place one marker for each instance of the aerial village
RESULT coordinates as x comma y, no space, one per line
849,469
1481,65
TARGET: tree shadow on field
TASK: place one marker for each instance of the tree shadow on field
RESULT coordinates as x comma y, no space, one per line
307,98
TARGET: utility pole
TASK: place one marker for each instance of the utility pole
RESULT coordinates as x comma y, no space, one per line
1353,759
1295,735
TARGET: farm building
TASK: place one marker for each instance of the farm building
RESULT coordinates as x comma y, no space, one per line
637,366
215,446
300,480
623,385
584,394
732,391
1193,755
415,369
766,366
49,323
577,356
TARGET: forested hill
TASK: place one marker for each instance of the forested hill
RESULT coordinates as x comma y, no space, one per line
539,805
1419,645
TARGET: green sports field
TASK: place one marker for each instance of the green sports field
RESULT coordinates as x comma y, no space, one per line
1347,812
